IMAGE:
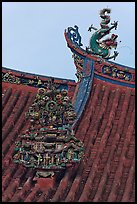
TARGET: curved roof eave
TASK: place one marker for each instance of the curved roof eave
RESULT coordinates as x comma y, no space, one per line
83,54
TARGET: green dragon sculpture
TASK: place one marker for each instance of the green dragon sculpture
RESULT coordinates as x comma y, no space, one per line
102,48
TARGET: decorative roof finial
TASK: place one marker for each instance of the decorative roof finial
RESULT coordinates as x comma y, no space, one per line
102,48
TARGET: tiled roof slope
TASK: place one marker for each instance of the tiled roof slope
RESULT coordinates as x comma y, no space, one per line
16,99
106,125
107,130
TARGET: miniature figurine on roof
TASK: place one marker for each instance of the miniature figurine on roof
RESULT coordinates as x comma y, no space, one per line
102,48
98,46
49,143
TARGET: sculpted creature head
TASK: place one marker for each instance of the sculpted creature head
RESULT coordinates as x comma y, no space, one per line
110,42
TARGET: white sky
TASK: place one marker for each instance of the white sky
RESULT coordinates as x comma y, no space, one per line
33,34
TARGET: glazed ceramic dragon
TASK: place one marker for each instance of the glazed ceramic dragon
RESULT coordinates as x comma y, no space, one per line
102,48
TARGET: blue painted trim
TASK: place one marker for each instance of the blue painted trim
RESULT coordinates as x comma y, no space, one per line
89,85
114,81
84,90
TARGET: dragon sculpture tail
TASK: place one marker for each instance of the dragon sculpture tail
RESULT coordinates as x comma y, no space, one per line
106,18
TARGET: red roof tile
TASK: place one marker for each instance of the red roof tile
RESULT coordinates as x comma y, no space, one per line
107,130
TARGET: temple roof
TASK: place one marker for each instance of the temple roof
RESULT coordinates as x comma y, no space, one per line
104,101
105,124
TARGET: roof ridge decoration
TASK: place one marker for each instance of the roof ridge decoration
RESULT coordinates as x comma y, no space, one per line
102,48
96,46
115,73
9,77
34,81
74,35
99,50
50,142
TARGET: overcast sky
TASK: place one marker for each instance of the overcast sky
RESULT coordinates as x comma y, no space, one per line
33,34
